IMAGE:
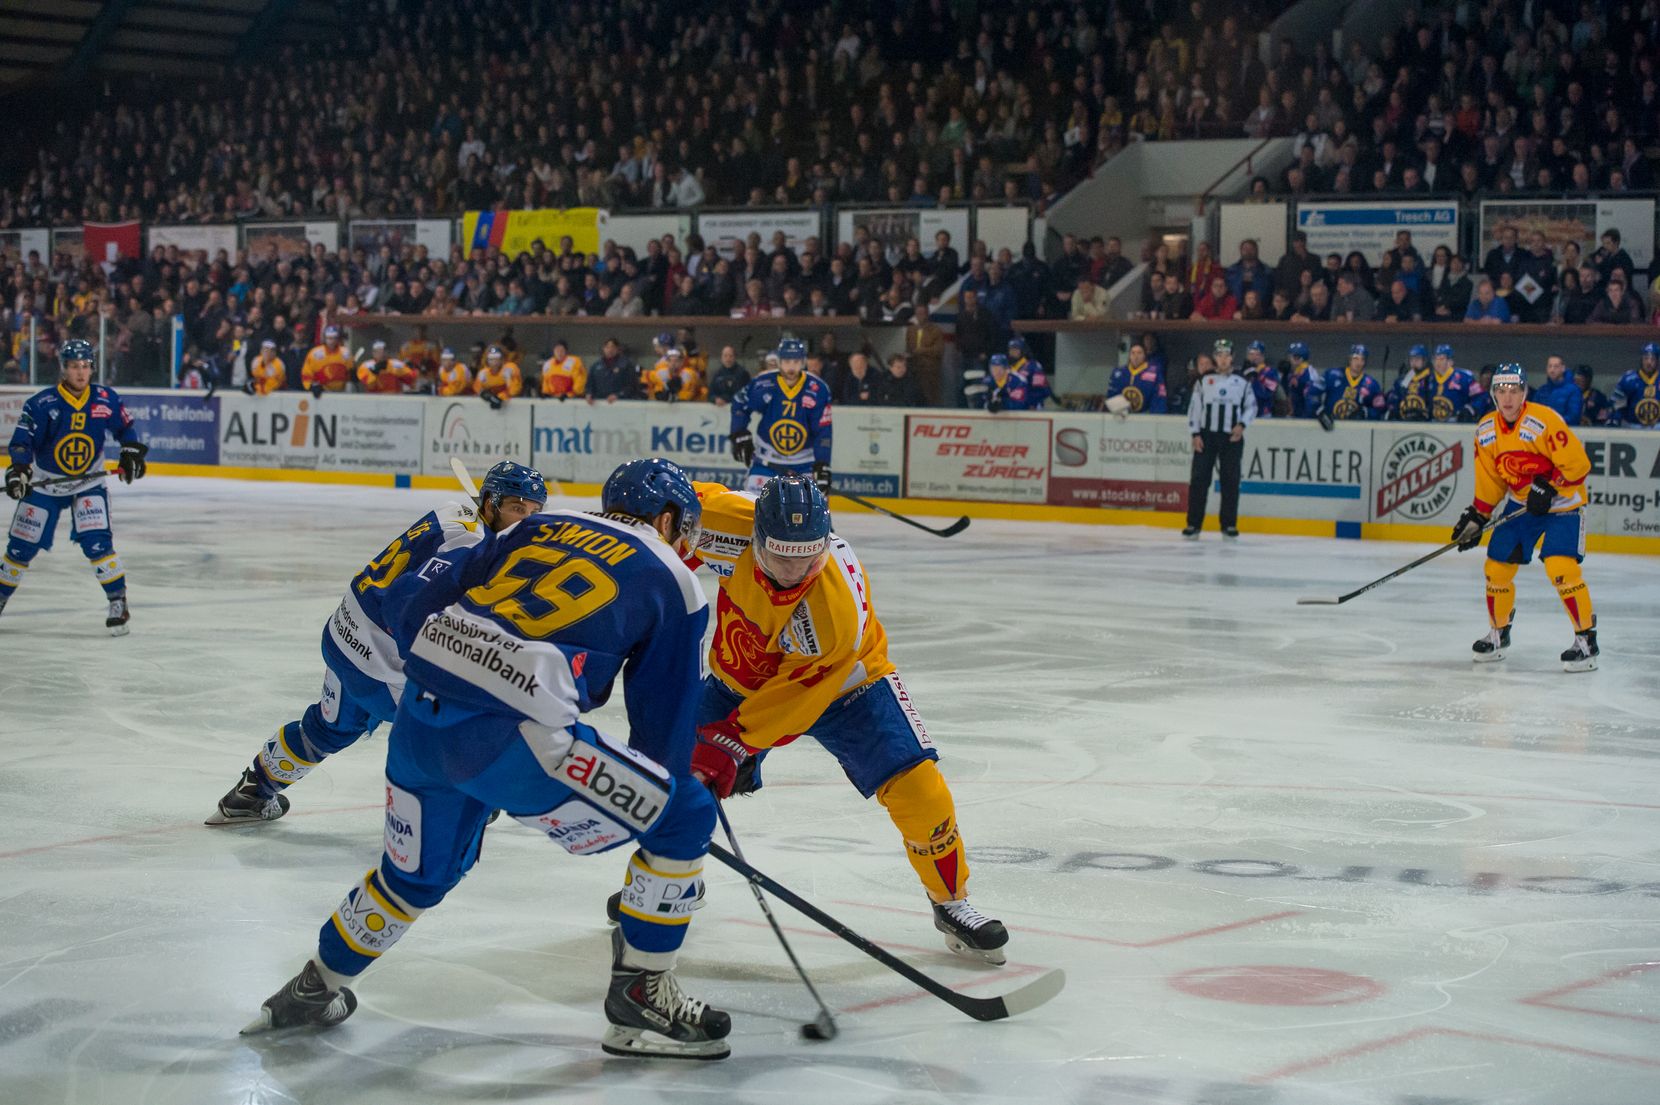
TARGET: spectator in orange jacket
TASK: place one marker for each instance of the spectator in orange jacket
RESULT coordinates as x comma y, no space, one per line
384,375
564,376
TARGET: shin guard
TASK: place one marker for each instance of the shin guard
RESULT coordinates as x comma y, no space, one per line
920,805
1501,593
1569,582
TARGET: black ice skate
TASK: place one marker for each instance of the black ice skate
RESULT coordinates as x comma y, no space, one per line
306,1002
1191,533
245,805
116,620
970,933
1492,647
1582,654
651,1017
1230,533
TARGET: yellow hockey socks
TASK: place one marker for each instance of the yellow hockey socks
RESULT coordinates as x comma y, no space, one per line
1501,593
1569,582
920,805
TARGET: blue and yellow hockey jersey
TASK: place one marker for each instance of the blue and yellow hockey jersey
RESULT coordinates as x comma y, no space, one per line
62,434
539,620
795,419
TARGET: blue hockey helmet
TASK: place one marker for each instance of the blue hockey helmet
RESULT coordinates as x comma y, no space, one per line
664,339
792,530
647,487
1358,350
1444,350
1297,350
1418,351
447,355
997,360
1652,349
1509,374
1257,347
791,349
330,332
1017,346
507,478
76,349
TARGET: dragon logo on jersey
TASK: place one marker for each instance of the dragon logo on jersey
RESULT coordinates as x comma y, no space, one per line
740,649
787,436
1517,468
75,454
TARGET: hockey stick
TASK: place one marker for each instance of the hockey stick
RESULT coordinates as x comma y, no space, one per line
1338,600
59,480
1023,1000
949,531
824,1026
465,477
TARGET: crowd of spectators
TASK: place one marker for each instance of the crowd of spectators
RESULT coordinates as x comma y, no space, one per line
1516,281
430,107
1473,100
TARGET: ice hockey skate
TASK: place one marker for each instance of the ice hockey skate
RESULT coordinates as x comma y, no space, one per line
243,804
652,1017
970,933
1492,647
116,620
305,1002
1582,654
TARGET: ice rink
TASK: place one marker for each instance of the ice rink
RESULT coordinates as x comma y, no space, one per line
1286,854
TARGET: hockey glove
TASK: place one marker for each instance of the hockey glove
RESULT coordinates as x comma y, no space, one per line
821,476
491,398
1467,531
249,387
316,391
994,404
132,464
743,447
17,480
1325,421
1540,496
724,761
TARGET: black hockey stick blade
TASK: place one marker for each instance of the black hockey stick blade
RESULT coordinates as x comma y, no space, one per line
1026,998
948,531
1320,600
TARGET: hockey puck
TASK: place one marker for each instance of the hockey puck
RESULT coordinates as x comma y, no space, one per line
812,1031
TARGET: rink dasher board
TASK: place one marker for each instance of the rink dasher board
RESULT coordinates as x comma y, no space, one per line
1407,481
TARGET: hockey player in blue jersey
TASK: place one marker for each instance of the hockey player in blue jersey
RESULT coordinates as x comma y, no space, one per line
506,644
1006,389
1263,377
1352,392
1636,397
794,432
1022,363
362,671
1449,390
61,433
1304,385
1406,399
1140,382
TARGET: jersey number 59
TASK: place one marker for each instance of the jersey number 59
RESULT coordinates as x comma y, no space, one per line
563,590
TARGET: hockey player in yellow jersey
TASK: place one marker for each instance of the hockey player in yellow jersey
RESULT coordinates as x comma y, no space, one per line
454,378
1530,470
798,651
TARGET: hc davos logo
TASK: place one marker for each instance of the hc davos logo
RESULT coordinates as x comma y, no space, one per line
1419,477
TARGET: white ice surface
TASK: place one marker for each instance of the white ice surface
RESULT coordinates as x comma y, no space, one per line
1118,710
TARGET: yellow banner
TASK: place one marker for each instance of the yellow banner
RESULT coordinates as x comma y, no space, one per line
512,232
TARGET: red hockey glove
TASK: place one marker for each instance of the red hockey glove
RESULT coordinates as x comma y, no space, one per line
724,761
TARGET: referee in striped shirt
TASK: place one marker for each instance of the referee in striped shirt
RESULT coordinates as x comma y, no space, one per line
1222,406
